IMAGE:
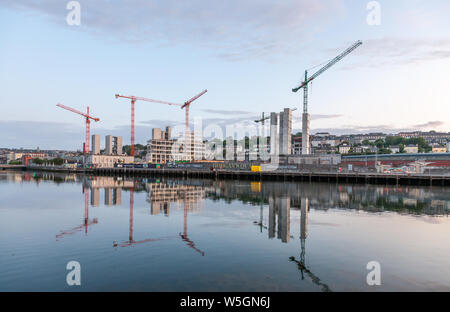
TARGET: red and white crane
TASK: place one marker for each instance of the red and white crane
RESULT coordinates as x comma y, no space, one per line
186,106
137,98
88,123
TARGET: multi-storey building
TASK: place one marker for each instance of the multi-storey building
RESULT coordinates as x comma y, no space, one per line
162,148
113,145
95,144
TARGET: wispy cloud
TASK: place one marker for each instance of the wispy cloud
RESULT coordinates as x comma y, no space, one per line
388,129
233,29
317,117
430,124
227,112
392,51
58,135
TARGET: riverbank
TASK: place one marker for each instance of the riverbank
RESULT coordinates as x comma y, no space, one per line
277,175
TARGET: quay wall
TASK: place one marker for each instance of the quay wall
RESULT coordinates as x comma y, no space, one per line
277,175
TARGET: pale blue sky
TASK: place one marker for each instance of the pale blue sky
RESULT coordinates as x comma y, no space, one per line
247,53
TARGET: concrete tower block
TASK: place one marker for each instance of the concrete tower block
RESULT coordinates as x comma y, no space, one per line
306,146
95,144
109,145
119,145
274,139
285,131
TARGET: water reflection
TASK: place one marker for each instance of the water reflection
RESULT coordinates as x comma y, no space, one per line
86,221
283,209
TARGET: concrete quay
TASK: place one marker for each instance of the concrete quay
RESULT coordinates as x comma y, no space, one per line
278,175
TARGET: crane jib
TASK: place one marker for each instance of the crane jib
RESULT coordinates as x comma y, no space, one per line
328,65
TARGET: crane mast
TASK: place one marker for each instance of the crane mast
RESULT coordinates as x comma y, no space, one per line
306,146
88,123
137,98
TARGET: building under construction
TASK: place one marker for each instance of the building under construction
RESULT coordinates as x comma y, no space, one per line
162,148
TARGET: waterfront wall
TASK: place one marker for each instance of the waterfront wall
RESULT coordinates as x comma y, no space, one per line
279,175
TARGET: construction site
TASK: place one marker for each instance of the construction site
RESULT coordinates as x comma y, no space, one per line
275,149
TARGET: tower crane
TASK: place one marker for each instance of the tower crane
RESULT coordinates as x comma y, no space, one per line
133,101
186,106
304,85
263,119
88,123
137,98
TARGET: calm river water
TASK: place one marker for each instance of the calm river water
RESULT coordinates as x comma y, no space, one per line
203,235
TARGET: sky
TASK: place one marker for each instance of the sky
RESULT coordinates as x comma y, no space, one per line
249,54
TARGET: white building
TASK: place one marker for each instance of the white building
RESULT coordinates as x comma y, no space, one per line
108,161
162,148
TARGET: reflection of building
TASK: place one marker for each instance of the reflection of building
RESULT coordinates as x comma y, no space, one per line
284,219
95,197
304,218
113,189
113,196
161,195
279,214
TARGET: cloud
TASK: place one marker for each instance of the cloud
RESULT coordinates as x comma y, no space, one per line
227,112
58,135
387,129
317,117
390,51
430,124
233,29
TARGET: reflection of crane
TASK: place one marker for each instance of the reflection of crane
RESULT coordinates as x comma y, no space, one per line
131,240
137,98
88,122
86,223
314,279
184,235
304,85
301,264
